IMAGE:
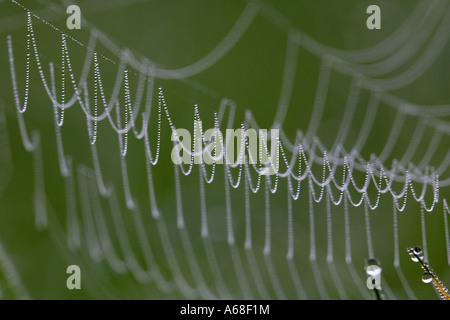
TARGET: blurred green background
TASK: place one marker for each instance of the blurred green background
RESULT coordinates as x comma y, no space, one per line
174,34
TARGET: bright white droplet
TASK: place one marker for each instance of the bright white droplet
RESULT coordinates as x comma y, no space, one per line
417,250
426,277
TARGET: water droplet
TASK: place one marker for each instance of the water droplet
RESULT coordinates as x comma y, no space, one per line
417,250
414,258
426,277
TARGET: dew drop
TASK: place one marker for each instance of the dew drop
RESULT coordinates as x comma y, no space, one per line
418,252
414,258
426,277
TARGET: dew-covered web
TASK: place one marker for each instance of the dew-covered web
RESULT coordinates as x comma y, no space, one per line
226,231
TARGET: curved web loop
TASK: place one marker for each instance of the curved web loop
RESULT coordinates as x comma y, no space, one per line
336,178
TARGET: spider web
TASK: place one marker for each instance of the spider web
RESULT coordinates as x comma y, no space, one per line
228,231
